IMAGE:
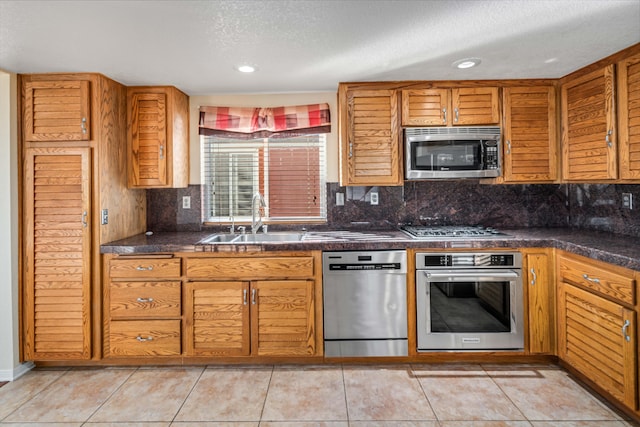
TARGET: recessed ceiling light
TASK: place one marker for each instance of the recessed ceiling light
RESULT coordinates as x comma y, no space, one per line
466,63
246,68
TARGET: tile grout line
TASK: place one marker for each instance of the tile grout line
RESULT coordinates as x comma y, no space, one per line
505,394
110,396
195,383
344,389
35,395
424,392
266,395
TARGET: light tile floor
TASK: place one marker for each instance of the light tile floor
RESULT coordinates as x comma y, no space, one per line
428,395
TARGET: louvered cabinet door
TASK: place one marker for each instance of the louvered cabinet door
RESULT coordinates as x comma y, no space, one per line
425,107
530,145
370,138
57,269
589,148
57,111
475,106
148,152
217,319
629,117
597,337
282,318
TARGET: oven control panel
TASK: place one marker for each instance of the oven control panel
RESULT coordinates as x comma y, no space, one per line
466,260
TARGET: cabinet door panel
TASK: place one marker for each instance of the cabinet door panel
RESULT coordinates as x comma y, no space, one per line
148,135
589,129
530,134
541,304
57,111
592,337
475,106
283,318
57,253
370,138
217,318
629,117
428,107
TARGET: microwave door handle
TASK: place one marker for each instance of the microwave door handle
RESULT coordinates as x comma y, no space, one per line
462,276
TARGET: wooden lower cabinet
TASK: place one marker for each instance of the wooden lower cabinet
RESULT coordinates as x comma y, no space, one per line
538,281
597,332
261,318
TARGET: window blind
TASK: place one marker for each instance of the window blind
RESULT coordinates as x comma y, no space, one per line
290,173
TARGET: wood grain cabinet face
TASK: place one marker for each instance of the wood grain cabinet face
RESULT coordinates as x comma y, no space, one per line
158,133
589,140
57,271
541,302
57,110
369,138
629,117
143,306
450,107
597,329
530,144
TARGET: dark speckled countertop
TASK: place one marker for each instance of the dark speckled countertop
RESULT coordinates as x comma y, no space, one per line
612,248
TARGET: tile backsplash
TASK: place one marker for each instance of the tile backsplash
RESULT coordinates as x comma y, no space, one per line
460,202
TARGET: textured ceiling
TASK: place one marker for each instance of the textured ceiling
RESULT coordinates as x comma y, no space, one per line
302,46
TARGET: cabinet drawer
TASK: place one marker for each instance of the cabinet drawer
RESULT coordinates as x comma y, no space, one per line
598,277
249,268
144,338
143,268
144,299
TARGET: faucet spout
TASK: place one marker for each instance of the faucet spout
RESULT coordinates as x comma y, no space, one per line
256,223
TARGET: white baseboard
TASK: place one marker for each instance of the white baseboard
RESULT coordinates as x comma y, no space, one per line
17,372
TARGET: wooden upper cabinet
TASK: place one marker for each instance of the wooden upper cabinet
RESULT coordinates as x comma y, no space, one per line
589,127
475,106
369,137
425,107
450,107
629,117
530,143
158,137
57,254
57,110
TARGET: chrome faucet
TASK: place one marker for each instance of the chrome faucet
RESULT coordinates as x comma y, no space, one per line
257,223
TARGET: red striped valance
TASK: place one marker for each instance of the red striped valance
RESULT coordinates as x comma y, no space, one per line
249,122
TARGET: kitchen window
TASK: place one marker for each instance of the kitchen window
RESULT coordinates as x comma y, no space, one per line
289,172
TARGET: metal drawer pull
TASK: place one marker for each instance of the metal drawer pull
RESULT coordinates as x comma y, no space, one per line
244,297
508,147
594,280
139,338
444,120
84,219
144,299
456,111
83,125
141,268
533,281
253,296
608,138
624,330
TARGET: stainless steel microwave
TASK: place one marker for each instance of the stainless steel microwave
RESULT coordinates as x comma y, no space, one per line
452,152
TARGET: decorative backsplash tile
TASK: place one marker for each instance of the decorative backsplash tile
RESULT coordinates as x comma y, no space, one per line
461,202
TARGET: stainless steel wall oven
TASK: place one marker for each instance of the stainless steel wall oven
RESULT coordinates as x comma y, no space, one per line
469,301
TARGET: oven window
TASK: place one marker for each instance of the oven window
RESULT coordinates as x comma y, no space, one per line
447,155
470,307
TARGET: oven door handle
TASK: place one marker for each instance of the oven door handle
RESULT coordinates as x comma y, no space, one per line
465,275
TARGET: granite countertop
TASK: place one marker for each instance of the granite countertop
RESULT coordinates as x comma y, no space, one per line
615,249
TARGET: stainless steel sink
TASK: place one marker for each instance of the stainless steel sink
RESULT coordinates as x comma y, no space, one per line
252,238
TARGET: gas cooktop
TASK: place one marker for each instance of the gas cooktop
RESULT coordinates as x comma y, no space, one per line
455,231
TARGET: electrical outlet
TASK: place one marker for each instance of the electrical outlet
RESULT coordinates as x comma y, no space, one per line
104,217
339,199
374,198
186,202
627,201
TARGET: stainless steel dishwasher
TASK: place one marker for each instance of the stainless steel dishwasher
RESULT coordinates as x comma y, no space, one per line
365,303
